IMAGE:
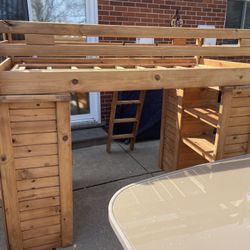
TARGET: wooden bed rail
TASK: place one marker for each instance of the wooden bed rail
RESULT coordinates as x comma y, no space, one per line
42,39
24,27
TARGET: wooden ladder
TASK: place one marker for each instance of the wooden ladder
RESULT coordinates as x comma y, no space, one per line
135,120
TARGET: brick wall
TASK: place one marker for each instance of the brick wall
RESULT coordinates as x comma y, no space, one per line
157,13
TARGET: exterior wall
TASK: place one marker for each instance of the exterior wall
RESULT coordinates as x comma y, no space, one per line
157,13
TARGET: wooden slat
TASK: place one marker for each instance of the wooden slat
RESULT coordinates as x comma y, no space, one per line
23,27
40,213
37,161
39,203
237,139
234,154
202,146
125,120
65,171
222,63
8,181
32,105
51,82
38,193
224,113
38,183
81,62
35,150
47,221
126,102
32,115
239,121
238,130
51,241
34,98
243,91
206,114
24,174
7,49
34,139
122,136
241,102
39,232
240,111
39,39
32,127
240,147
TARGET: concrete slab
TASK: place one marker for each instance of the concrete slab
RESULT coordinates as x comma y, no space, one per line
92,230
94,166
146,154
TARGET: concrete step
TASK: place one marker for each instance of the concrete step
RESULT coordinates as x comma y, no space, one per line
88,137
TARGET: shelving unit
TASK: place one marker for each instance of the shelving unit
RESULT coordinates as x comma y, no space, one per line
205,127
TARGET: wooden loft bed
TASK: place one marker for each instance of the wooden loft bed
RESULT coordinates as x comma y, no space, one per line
206,108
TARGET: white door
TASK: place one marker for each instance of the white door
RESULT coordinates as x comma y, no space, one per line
85,107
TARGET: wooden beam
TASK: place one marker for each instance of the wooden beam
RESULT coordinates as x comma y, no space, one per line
22,27
222,63
118,80
44,61
32,98
119,50
65,171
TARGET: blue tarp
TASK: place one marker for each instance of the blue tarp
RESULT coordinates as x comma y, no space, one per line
149,128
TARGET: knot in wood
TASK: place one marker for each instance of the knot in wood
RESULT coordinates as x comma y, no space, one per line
65,137
3,158
75,81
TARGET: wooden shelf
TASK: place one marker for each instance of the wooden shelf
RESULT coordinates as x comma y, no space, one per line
204,146
208,115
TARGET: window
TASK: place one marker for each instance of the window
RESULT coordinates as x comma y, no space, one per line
238,14
85,107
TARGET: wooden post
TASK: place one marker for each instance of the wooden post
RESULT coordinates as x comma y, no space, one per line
224,113
65,171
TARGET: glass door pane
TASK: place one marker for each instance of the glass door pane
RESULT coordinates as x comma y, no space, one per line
67,11
80,104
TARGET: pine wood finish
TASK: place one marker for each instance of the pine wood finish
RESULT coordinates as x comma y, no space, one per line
36,174
54,59
198,124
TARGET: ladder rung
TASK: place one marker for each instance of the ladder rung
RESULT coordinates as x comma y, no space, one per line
122,136
125,102
125,120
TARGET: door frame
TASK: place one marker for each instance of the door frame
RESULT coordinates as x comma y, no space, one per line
94,116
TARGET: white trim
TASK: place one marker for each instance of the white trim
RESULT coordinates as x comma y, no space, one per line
90,6
29,9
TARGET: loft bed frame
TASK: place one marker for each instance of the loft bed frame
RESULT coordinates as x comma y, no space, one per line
47,61
121,66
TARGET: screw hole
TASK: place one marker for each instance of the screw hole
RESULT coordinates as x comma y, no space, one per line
75,81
